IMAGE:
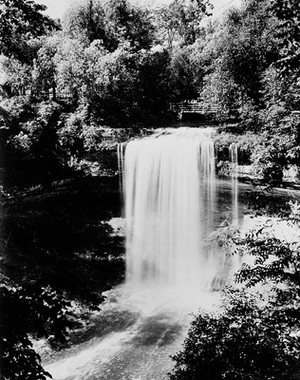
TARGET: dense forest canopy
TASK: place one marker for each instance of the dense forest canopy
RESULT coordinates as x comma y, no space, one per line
116,64
72,88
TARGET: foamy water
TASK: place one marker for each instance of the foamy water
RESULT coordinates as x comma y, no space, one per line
170,194
141,349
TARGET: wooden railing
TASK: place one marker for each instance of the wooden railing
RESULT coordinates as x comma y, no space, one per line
64,96
193,107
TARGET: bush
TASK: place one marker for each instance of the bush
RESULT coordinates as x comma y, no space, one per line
245,342
32,154
270,157
255,336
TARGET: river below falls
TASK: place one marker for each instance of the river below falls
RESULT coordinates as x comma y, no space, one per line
143,327
147,327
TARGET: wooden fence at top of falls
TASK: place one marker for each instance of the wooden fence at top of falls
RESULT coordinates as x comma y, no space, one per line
196,108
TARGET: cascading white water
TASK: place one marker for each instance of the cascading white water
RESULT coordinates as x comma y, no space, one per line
170,201
171,209
233,151
121,167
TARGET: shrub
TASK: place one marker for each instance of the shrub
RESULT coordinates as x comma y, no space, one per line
244,342
255,336
270,157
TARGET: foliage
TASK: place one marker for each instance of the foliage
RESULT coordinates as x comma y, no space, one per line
79,136
245,76
126,22
256,336
245,143
118,86
54,248
276,260
44,70
244,46
243,342
288,35
185,74
85,21
56,235
181,20
71,66
29,309
153,83
32,147
21,20
106,63
219,89
270,157
113,23
118,64
16,76
115,85
19,110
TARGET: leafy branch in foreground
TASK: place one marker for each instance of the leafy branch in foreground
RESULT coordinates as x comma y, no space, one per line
29,310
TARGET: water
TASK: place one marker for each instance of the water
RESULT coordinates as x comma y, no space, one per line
233,151
121,166
170,198
145,331
173,205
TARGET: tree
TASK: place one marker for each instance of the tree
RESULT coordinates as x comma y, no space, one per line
116,84
288,11
32,153
85,21
44,69
21,20
245,46
71,67
182,18
166,28
128,23
16,76
113,23
186,72
153,88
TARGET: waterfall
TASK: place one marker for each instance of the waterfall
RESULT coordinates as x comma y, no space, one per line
121,168
169,186
233,151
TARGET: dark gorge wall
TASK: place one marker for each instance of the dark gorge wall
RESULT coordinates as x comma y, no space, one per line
59,236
